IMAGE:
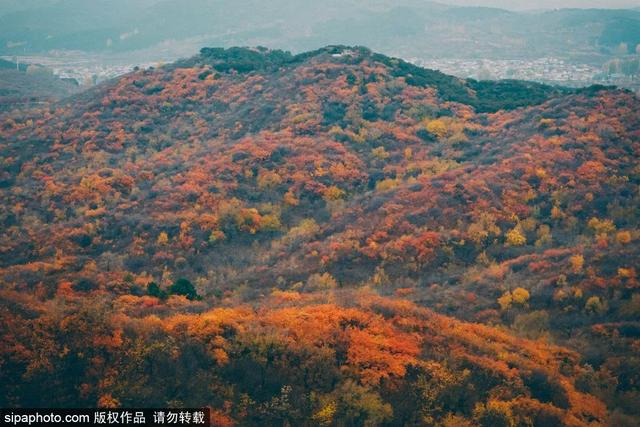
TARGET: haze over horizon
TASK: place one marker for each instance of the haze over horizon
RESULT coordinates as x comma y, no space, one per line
547,4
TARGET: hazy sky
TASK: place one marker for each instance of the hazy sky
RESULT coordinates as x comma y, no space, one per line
546,4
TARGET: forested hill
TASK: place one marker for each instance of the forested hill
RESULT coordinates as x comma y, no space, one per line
335,236
21,87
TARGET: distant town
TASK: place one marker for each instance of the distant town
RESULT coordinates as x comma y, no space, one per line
549,70
86,74
86,69
89,70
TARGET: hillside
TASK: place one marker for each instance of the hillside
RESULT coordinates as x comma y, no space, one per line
20,88
317,236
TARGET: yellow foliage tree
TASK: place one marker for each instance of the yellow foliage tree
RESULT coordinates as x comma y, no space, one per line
321,281
380,153
268,179
515,237
306,229
387,184
505,301
438,128
270,222
520,296
333,193
484,226
163,239
324,417
601,226
577,262
626,273
248,220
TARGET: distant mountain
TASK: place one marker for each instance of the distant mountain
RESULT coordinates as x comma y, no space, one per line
333,237
67,24
407,28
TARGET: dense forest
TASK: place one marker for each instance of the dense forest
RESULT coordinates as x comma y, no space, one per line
332,238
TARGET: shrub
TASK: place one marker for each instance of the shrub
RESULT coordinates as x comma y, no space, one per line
184,287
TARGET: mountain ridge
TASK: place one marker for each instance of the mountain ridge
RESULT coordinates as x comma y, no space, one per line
250,23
